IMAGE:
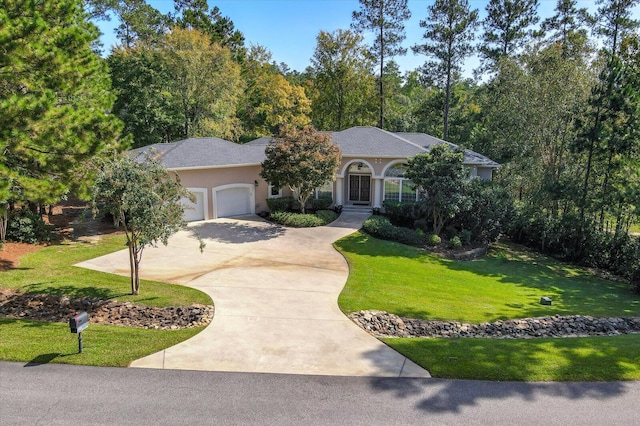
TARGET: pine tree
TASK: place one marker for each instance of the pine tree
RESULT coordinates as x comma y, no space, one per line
385,19
450,30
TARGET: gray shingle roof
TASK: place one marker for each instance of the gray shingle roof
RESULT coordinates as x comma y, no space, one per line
366,142
206,152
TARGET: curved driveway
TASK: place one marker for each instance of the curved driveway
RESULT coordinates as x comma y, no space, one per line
275,290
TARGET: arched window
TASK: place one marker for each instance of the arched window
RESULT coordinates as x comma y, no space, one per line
397,187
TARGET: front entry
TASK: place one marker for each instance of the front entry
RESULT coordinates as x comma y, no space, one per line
360,189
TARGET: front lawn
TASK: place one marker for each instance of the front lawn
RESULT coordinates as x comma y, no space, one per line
51,271
506,284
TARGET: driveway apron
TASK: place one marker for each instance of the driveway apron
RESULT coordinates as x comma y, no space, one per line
275,292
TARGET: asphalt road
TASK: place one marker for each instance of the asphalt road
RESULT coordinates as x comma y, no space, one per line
54,394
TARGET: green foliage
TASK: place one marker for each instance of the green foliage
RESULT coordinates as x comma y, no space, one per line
455,243
344,87
381,227
144,198
489,212
303,220
26,226
320,203
302,159
433,239
54,101
405,214
442,177
385,20
449,32
282,204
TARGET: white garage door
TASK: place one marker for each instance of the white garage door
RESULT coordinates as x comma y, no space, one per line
234,201
194,211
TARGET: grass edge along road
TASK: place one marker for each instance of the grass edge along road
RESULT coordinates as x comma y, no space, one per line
51,271
508,283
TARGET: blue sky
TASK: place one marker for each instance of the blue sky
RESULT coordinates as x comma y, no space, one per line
288,28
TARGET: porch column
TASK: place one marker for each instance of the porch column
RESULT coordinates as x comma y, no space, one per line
339,190
377,192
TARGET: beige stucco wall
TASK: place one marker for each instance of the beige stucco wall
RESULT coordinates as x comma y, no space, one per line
213,178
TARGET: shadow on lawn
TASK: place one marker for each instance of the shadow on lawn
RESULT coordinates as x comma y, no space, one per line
73,292
438,395
238,233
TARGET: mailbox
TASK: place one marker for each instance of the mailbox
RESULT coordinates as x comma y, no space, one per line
79,322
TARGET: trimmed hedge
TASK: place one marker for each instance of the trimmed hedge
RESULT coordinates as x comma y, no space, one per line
381,227
307,220
320,203
282,204
26,226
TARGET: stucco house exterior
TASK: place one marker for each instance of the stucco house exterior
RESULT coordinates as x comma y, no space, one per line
225,176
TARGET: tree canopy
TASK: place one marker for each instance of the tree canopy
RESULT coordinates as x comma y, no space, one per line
55,97
302,159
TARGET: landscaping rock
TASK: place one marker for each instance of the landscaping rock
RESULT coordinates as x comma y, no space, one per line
383,324
53,308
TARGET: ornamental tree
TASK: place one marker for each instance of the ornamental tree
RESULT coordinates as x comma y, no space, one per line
442,178
302,159
144,200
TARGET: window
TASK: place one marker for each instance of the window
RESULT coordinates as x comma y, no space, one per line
325,191
396,187
275,192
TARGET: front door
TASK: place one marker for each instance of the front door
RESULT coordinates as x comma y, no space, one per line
359,189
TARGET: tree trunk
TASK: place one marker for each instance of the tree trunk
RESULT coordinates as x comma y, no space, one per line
447,99
133,266
381,121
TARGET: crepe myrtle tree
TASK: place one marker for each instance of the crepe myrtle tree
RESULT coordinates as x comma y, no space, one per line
441,178
302,159
144,200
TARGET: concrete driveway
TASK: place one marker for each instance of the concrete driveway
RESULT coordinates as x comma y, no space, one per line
275,290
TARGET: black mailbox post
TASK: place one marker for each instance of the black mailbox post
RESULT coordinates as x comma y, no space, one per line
77,323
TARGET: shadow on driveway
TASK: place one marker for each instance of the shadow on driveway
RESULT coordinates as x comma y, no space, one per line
237,232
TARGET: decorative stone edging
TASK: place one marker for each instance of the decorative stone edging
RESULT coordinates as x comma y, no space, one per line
383,324
52,308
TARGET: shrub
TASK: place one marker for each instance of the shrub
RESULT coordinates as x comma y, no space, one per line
433,240
282,204
337,209
26,226
465,237
320,203
422,225
455,243
303,220
381,227
327,216
404,214
489,212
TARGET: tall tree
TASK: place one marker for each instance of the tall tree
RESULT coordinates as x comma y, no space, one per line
196,15
343,82
269,100
613,21
207,82
567,26
507,28
385,19
450,30
302,159
139,21
54,101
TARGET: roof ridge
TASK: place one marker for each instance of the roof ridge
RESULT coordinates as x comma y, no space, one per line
401,138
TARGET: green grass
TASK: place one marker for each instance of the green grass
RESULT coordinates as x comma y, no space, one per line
51,271
103,345
508,283
635,228
602,358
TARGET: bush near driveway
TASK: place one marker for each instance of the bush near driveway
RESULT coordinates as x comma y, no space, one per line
303,220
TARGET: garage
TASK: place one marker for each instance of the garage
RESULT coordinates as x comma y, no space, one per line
233,200
195,211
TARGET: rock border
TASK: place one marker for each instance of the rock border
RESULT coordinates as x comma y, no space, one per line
52,308
384,324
